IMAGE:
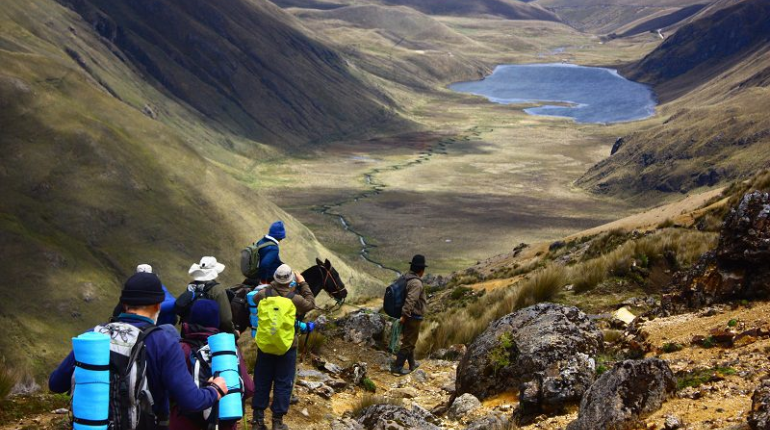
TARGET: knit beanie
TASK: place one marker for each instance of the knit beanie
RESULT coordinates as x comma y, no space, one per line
205,313
142,289
277,230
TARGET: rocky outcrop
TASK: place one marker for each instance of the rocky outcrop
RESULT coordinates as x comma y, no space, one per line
740,266
493,421
624,395
617,145
394,417
759,417
462,405
362,327
543,351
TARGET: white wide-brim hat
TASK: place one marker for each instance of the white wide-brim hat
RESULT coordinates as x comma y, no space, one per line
283,275
207,270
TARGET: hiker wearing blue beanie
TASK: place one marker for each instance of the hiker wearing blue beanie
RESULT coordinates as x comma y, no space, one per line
269,258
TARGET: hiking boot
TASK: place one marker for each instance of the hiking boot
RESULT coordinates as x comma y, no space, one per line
400,371
278,424
258,422
413,364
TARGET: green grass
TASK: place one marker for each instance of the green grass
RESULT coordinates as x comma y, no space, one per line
8,380
669,347
697,378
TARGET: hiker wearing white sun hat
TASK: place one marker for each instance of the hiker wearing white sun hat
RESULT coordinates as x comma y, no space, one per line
204,286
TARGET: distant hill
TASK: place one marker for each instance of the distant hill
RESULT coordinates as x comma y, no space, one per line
714,77
244,64
509,9
621,16
710,44
118,151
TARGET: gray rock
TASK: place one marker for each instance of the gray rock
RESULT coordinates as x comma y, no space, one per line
419,376
672,423
362,327
543,351
494,421
759,417
624,395
324,391
463,405
346,424
355,373
393,417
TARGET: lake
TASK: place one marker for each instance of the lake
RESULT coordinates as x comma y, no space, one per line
587,94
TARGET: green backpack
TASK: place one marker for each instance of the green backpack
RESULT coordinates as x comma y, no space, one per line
250,259
277,317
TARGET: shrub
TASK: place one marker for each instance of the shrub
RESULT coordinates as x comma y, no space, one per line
586,276
668,223
672,347
315,342
699,377
371,400
611,335
459,292
7,380
732,323
605,243
500,355
369,385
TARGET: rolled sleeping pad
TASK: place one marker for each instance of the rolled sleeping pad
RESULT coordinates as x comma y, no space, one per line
91,395
252,312
224,363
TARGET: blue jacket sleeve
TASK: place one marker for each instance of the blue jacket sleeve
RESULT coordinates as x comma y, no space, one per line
269,262
178,381
60,380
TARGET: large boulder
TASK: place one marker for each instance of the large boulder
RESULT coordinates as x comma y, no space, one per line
363,327
544,351
394,417
739,268
624,395
759,417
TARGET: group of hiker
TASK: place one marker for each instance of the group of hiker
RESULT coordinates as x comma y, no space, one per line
160,379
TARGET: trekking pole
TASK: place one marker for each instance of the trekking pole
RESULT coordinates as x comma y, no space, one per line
304,348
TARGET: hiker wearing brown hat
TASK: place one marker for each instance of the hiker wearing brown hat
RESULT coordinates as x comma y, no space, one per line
412,314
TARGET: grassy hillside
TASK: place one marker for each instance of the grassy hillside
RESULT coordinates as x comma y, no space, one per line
245,64
103,169
603,17
715,75
509,9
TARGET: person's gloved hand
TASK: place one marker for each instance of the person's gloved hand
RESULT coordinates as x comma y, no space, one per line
310,327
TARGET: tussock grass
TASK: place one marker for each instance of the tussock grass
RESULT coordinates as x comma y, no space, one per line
586,276
8,380
315,342
371,400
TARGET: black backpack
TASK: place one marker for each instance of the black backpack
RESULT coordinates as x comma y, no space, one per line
193,292
239,306
395,296
130,399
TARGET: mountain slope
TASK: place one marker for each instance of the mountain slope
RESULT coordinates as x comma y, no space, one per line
244,64
102,170
509,9
714,75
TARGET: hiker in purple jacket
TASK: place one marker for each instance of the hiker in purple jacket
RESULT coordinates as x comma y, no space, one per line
167,374
203,322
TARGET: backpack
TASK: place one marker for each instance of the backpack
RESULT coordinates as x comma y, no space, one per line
277,317
239,306
130,399
194,291
250,259
395,296
200,359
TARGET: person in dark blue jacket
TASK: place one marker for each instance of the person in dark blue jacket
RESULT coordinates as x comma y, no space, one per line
167,374
269,258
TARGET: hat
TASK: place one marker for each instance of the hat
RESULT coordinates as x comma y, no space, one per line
205,313
144,268
418,262
207,270
277,230
142,289
283,274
